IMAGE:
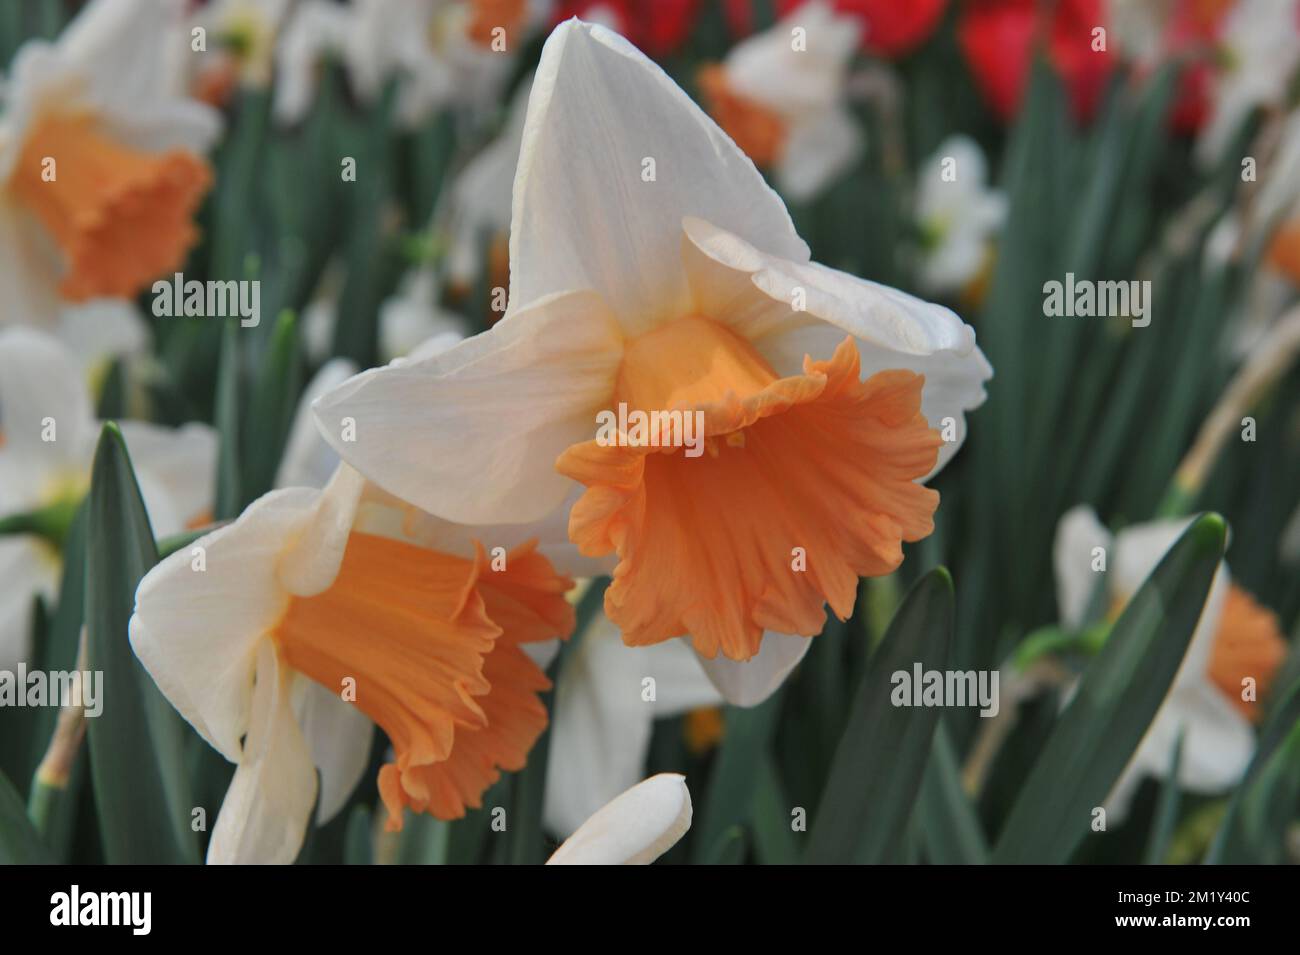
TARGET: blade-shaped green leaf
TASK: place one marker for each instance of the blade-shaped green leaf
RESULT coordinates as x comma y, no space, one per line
884,749
270,413
1114,703
953,835
136,742
20,844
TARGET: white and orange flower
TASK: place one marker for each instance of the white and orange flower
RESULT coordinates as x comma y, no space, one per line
48,434
782,100
101,167
440,51
651,267
318,612
1235,639
635,828
958,214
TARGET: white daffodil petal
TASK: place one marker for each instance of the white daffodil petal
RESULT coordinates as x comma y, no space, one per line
28,567
634,829
472,434
818,152
614,155
267,808
1077,535
1138,550
308,460
45,409
339,736
813,307
103,329
183,464
197,630
750,682
603,719
311,562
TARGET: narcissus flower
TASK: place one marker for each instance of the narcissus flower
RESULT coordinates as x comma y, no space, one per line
1230,662
635,828
318,611
958,212
999,37
889,28
604,715
100,166
439,51
48,433
781,99
653,270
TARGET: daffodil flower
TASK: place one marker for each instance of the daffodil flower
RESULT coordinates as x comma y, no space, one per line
604,713
441,52
651,267
1259,49
318,612
48,434
240,39
958,213
100,165
780,96
635,828
1236,644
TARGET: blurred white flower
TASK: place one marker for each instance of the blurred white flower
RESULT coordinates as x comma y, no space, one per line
441,52
1258,53
782,99
602,720
958,212
635,828
413,316
1235,638
100,168
48,434
689,288
318,611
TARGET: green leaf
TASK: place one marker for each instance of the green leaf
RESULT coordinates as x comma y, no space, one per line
1261,808
729,798
229,382
136,742
270,413
953,835
774,839
1166,821
1116,700
729,849
883,751
20,844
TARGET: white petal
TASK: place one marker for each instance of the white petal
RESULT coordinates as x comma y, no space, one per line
750,682
1138,549
472,434
315,29
311,562
182,462
41,383
339,736
602,722
197,632
28,567
635,829
308,459
893,329
1077,534
818,152
583,217
30,266
267,808
767,68
103,329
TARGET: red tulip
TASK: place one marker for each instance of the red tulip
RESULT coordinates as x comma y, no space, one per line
658,27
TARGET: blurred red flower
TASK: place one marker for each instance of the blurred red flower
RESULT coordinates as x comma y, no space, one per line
1193,31
657,27
890,28
998,39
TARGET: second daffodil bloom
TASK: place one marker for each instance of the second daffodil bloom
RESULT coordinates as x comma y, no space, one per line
958,213
317,612
780,96
1234,652
653,270
100,166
